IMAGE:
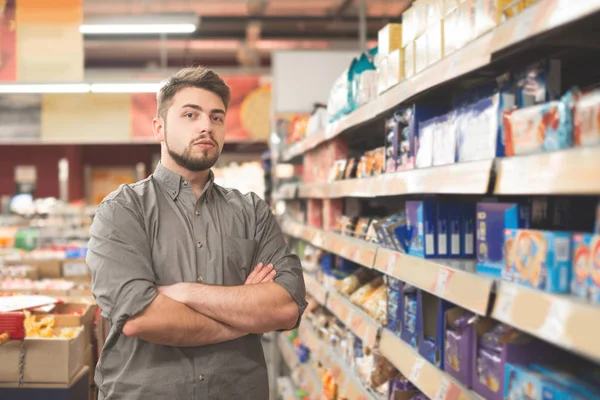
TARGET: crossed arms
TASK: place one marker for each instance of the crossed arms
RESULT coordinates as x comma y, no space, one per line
188,314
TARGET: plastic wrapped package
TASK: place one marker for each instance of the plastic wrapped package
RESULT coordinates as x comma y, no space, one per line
424,157
444,139
367,87
360,296
383,371
350,284
587,119
376,305
337,105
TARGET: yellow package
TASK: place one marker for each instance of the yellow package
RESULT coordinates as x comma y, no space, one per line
389,39
435,42
408,26
421,53
364,292
409,60
515,8
395,72
488,14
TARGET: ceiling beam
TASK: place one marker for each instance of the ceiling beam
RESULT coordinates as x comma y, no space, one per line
342,8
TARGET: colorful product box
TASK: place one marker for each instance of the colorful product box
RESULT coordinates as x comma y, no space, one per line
410,66
431,327
460,336
545,127
586,267
444,139
492,220
575,379
538,83
389,39
586,118
479,134
455,230
421,221
467,245
420,114
521,382
538,259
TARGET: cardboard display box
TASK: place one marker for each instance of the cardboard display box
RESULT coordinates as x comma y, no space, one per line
62,315
77,389
46,360
47,268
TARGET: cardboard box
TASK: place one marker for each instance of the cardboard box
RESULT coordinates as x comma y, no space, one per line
76,270
64,317
46,360
395,67
389,39
47,268
409,60
77,389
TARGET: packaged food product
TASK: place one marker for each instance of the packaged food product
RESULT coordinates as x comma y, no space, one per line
376,304
389,39
350,284
360,296
350,171
586,118
382,372
410,66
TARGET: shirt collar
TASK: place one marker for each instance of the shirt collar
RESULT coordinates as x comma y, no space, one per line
173,182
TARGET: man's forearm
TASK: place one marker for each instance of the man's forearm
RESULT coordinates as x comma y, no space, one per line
170,323
250,308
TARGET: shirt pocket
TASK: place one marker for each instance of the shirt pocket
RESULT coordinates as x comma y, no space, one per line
238,259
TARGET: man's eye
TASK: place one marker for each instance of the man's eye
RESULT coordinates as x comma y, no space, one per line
189,115
217,118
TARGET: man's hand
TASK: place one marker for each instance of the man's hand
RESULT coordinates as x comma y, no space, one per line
261,274
180,291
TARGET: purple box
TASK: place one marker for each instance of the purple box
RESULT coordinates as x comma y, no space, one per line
522,350
460,335
421,223
492,220
431,313
408,330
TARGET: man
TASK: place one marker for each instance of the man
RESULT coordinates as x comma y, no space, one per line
171,260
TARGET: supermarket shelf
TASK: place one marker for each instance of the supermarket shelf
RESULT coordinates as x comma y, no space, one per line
440,277
561,320
307,377
358,321
285,388
356,250
463,178
541,17
432,381
315,289
287,191
348,381
573,171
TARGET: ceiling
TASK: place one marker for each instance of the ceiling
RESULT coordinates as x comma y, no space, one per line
235,32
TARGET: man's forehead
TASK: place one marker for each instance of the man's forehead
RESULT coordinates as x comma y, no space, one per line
201,97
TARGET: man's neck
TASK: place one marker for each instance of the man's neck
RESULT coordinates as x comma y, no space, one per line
197,180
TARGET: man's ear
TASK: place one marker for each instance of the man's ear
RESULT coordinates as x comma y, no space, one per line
158,128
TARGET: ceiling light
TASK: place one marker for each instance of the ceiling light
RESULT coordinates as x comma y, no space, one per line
126,87
140,24
46,88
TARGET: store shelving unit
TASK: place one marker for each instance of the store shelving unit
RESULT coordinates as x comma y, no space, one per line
561,320
542,17
307,377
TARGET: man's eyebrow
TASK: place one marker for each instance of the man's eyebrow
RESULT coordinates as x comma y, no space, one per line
218,111
194,106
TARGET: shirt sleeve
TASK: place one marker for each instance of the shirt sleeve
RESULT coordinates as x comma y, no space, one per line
119,260
273,249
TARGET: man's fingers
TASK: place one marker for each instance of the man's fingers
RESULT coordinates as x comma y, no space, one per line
252,277
264,273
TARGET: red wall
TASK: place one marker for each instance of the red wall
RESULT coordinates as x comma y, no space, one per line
46,157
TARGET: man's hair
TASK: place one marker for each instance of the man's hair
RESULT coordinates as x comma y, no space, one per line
198,77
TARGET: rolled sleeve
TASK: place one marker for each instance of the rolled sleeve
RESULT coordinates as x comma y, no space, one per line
273,249
120,263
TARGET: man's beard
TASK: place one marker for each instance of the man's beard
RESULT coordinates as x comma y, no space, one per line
191,163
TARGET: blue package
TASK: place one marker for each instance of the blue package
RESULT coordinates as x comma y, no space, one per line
420,216
538,83
327,262
538,259
410,303
467,245
521,382
394,284
443,230
569,380
410,322
582,264
492,220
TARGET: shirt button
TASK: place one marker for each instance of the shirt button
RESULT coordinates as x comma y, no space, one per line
199,245
201,377
197,213
200,279
184,183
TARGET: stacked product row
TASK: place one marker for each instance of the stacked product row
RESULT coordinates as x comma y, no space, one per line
549,244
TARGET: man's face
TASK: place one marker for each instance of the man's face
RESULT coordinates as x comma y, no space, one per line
194,129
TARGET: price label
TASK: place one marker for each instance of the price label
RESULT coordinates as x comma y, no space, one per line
441,282
356,324
505,302
553,327
415,371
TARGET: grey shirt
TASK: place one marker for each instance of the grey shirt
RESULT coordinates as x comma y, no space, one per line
155,232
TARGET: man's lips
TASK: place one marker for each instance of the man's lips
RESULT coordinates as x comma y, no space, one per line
205,144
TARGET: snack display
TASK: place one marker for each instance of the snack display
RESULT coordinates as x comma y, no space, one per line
44,327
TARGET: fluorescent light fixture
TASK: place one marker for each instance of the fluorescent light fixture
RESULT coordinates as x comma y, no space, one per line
45,88
125,87
140,24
